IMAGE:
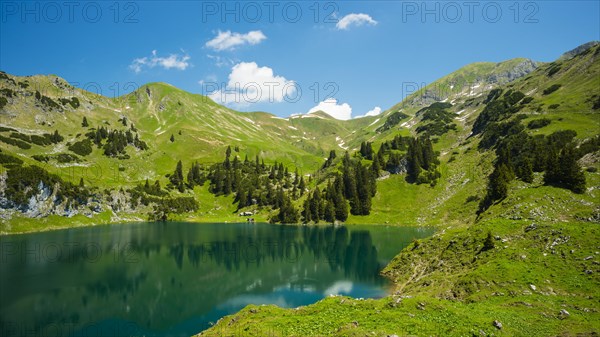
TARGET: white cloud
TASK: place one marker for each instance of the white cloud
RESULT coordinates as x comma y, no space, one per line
249,83
172,61
373,112
355,19
221,61
228,40
331,107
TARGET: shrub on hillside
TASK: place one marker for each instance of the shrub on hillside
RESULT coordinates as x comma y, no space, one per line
82,148
538,123
551,89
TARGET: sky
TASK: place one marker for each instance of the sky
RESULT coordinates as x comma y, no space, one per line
348,58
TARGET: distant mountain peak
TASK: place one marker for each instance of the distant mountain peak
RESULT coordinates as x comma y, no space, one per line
578,50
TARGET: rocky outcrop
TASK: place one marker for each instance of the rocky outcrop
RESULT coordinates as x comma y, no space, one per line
520,70
578,50
458,86
46,202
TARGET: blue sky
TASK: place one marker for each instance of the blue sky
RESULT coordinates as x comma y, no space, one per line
283,57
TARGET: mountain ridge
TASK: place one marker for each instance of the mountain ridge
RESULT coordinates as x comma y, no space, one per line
173,121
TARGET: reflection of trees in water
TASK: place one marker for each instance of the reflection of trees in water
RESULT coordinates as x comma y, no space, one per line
361,256
358,257
177,253
115,281
58,312
112,278
353,252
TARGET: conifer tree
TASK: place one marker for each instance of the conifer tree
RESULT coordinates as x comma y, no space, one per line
227,183
329,212
572,176
301,186
177,176
315,203
497,186
499,180
553,172
525,170
306,213
241,198
341,206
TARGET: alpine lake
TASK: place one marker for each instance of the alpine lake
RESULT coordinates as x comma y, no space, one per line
176,279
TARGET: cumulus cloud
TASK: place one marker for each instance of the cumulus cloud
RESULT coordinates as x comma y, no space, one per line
175,61
249,83
355,19
230,40
373,112
331,107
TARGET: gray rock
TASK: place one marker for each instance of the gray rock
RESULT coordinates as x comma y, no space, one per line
578,50
497,324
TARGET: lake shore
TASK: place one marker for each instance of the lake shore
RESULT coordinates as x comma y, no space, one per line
23,225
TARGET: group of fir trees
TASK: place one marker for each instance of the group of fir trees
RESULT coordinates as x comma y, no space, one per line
366,150
419,162
116,140
164,207
359,184
329,205
255,183
163,204
422,162
195,177
519,155
355,185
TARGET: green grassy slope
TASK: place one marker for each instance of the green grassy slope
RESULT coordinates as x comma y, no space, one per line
541,277
202,130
